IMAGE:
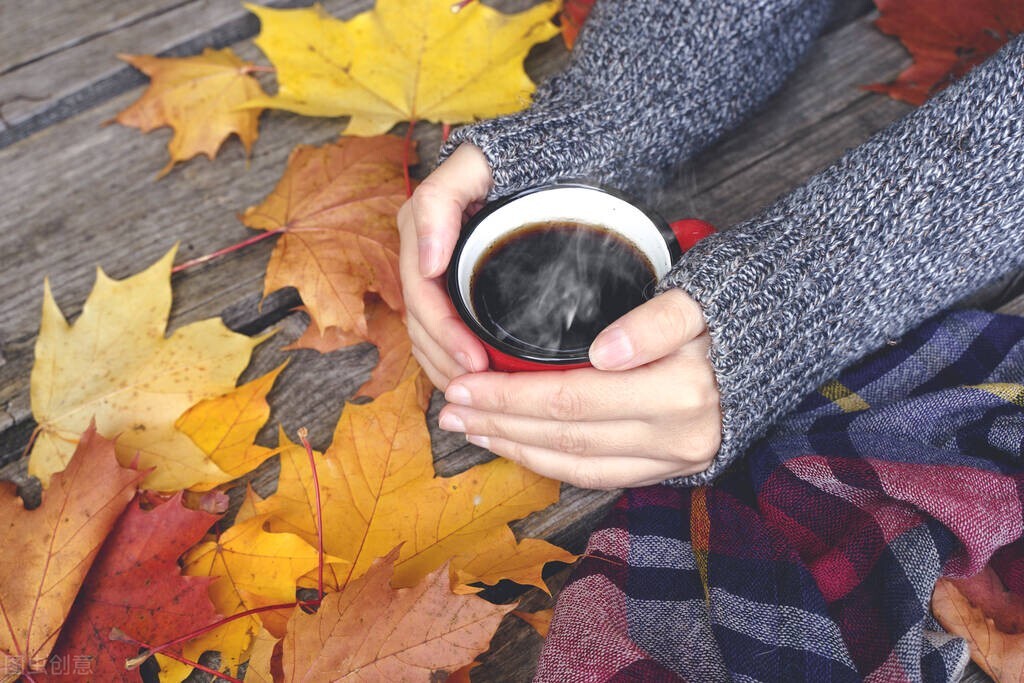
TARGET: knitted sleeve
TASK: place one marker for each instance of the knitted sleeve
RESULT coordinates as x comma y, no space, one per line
898,229
650,83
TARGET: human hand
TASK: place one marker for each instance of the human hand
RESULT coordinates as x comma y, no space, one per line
429,224
648,410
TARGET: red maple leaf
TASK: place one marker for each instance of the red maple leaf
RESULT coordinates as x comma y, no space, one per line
135,586
946,38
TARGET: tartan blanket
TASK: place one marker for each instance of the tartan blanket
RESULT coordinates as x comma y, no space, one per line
816,556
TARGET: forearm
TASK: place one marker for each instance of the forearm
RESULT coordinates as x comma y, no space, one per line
650,84
900,228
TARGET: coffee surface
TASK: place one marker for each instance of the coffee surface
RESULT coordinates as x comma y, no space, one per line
550,288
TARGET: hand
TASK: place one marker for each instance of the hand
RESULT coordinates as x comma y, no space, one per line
647,411
429,224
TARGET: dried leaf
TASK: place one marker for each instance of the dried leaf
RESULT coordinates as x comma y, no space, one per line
225,427
115,363
378,490
402,60
254,568
265,659
946,40
338,207
47,552
574,13
991,619
199,97
136,586
388,333
370,631
539,620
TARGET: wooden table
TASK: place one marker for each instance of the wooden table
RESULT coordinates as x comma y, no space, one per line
76,194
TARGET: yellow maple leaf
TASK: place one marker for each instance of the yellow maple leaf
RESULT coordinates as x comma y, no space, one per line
378,491
115,363
401,61
199,97
225,427
254,568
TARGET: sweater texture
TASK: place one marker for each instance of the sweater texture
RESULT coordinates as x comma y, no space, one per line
898,229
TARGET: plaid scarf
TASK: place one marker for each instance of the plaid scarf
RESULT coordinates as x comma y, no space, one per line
816,556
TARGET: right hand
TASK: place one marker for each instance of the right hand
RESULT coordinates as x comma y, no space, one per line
429,224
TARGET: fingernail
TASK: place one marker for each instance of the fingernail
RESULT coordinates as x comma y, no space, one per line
463,359
458,394
430,256
612,349
451,423
481,441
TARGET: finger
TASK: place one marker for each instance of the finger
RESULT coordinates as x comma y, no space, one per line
599,473
590,439
648,332
428,348
437,378
584,394
439,202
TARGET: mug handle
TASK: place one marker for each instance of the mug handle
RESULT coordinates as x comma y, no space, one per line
689,231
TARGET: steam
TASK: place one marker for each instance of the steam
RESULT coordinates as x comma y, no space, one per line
552,302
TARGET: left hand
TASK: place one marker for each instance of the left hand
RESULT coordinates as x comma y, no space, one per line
648,410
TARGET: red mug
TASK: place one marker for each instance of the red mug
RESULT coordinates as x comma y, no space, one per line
660,243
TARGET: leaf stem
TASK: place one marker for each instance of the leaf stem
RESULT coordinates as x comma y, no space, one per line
226,250
303,433
135,661
31,440
406,149
257,68
446,130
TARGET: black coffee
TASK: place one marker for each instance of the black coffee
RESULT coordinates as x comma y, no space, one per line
550,288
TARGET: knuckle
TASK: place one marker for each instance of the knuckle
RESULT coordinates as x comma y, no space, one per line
586,476
571,439
669,322
565,404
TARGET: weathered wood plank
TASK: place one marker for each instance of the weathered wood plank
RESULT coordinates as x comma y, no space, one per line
31,31
43,92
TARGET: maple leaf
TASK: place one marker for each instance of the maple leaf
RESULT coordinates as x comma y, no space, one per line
991,619
199,97
225,427
116,365
378,490
402,61
370,631
48,551
264,665
946,40
388,333
337,206
253,568
135,585
571,18
539,620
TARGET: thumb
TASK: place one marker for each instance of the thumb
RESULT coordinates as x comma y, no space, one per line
439,202
648,332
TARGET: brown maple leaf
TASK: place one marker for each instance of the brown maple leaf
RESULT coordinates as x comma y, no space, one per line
199,97
991,619
370,631
48,551
946,39
337,207
137,587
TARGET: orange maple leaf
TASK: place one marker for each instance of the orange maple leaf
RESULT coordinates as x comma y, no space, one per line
199,97
378,490
370,631
571,18
388,333
48,551
946,39
991,619
337,207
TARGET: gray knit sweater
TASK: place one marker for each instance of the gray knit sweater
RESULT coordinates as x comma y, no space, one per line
898,229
